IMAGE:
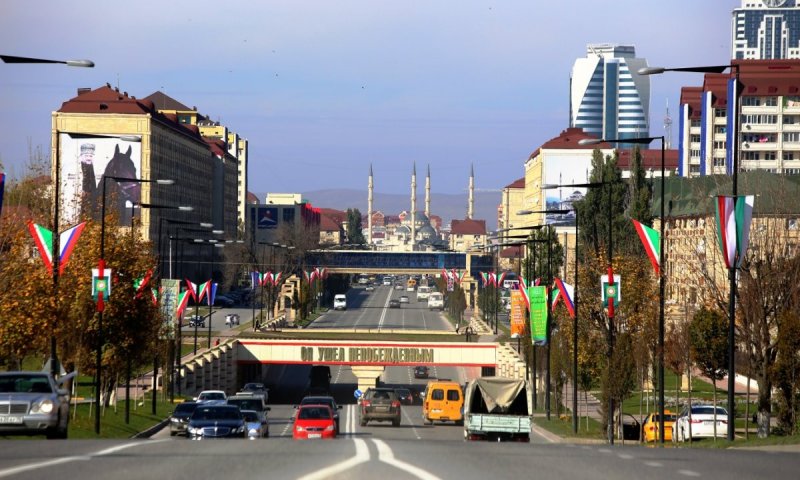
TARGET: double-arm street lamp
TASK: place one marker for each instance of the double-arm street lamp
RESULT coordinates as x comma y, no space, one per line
732,144
101,264
661,273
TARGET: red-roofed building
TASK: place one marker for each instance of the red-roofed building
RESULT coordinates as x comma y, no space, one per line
770,120
331,228
466,234
108,132
510,203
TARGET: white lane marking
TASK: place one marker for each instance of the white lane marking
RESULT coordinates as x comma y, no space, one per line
654,464
689,473
383,312
386,455
58,461
361,456
625,456
288,426
603,450
413,427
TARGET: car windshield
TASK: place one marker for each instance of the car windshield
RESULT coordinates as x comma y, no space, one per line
314,413
708,411
216,413
25,383
253,386
317,401
185,408
250,416
246,404
212,396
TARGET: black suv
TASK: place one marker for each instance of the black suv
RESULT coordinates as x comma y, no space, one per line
381,404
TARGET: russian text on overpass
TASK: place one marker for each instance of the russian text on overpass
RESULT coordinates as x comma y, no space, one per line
367,359
366,261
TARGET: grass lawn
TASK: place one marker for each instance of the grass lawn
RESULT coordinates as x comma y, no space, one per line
562,426
112,420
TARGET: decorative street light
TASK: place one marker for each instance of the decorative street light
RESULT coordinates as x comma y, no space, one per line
733,146
661,275
101,263
610,303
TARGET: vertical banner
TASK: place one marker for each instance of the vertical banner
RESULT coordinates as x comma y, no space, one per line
517,313
538,317
608,291
101,285
170,289
734,215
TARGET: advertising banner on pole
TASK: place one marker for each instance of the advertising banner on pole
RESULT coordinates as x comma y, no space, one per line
517,313
538,317
611,291
170,289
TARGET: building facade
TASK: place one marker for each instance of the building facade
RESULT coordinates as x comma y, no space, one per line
766,30
467,235
281,211
769,120
608,98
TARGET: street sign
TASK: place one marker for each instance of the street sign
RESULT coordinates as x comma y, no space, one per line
613,291
357,393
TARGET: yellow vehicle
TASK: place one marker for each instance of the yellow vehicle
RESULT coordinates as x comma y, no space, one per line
651,424
411,285
443,402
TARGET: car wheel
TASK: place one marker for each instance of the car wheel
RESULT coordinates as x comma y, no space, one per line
396,422
172,434
427,421
363,423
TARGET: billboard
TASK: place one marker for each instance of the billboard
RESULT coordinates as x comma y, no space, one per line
517,314
564,169
84,162
267,217
170,289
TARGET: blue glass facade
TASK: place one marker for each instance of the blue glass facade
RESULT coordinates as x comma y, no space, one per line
773,21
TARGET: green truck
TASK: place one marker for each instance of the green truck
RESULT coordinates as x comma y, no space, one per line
497,409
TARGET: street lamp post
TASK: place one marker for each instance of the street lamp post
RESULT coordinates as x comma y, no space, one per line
734,177
661,275
99,352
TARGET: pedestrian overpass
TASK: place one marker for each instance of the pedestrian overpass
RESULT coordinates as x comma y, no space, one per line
375,262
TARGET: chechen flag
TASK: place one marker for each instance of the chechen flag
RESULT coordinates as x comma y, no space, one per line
183,301
192,289
733,227
565,292
44,243
524,291
651,242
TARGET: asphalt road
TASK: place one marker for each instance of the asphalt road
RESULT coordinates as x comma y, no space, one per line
370,310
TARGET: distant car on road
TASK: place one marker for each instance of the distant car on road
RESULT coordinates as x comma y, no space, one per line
701,424
179,420
381,404
369,288
398,286
196,321
256,389
421,372
216,421
403,299
405,396
255,428
394,303
340,302
211,397
314,421
324,400
33,403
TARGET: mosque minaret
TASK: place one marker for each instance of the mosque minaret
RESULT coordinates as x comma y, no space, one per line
471,203
370,188
414,202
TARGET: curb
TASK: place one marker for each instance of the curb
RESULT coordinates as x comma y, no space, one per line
550,437
152,430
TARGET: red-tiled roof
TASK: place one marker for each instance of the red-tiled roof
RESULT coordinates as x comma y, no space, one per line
328,224
518,183
717,84
651,159
512,252
163,101
569,139
337,215
468,227
251,198
692,96
769,77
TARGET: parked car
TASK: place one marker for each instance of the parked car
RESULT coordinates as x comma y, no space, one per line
232,319
216,421
650,427
324,400
421,372
403,299
211,397
314,421
701,423
255,427
196,321
34,403
179,420
394,303
223,301
381,404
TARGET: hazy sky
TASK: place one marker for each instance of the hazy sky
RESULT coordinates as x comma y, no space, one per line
321,89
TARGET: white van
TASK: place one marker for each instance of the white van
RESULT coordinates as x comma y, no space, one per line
340,302
422,292
435,301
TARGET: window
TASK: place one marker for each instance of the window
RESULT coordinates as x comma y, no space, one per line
770,156
453,395
437,394
694,138
750,101
288,215
770,101
718,145
788,155
792,137
719,129
751,156
719,112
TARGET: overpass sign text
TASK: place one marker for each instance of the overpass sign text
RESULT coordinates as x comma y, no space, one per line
367,355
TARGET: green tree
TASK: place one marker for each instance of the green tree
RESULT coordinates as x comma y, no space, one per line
619,379
708,342
786,371
354,230
639,191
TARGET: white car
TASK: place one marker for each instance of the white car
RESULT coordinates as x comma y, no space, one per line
231,319
701,424
340,302
403,299
212,397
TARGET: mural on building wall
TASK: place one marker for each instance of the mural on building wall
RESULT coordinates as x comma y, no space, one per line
267,217
84,162
564,171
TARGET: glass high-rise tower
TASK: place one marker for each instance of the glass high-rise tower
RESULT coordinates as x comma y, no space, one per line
766,30
608,99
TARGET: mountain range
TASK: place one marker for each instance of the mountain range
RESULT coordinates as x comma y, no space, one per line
447,206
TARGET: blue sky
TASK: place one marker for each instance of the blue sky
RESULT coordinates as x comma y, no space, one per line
321,89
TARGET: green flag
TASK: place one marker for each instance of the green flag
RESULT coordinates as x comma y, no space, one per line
538,316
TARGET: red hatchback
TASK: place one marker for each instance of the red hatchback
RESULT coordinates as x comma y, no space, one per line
314,421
